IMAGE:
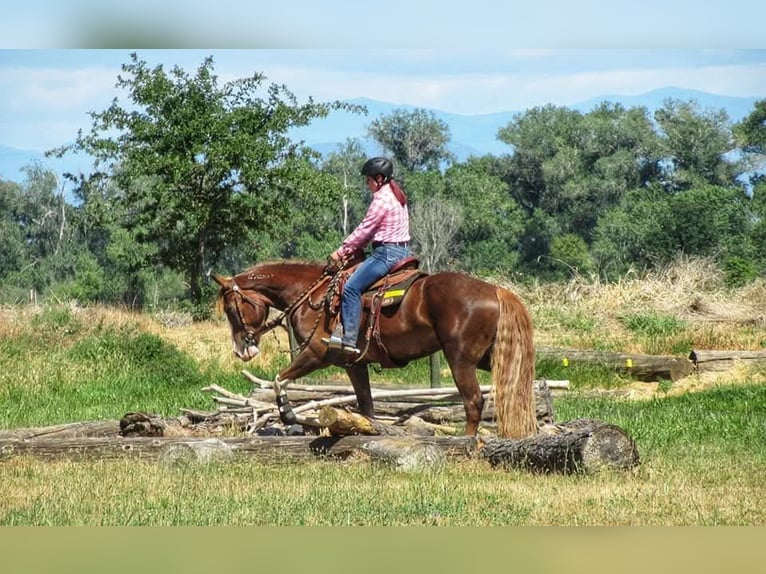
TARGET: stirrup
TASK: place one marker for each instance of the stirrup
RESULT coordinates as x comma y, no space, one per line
350,350
333,342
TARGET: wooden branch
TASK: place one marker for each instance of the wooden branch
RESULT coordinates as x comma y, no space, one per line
348,389
578,446
262,383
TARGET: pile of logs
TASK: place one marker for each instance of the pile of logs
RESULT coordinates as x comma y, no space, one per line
414,429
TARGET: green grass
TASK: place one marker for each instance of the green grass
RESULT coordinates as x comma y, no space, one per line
102,373
703,454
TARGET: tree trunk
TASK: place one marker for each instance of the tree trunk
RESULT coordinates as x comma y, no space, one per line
647,368
581,445
66,430
724,360
268,449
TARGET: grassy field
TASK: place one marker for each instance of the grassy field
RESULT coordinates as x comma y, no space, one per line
702,440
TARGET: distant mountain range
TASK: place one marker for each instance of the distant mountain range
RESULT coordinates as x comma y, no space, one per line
470,134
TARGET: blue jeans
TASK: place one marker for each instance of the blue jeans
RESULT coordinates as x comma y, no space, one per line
378,264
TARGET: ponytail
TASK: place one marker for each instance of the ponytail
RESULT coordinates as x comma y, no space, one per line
398,192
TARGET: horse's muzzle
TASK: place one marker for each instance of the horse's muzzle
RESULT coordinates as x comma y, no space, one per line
246,354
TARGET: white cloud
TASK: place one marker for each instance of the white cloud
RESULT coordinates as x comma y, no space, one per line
49,90
491,92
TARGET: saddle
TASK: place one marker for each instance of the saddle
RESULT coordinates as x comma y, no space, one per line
386,292
389,289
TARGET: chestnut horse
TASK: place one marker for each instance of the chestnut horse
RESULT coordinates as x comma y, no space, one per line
476,324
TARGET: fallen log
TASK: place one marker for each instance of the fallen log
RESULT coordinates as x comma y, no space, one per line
647,368
705,361
66,430
272,449
582,445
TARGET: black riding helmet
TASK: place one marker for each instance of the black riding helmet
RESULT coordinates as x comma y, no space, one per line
378,166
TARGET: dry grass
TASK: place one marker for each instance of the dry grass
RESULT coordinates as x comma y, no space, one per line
585,313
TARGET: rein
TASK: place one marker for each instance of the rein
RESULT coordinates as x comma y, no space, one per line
289,310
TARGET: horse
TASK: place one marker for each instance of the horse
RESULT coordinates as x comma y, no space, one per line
477,325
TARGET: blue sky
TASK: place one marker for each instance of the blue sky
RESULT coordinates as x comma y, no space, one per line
390,24
45,94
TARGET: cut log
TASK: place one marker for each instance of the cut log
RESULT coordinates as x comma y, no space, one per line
272,449
341,422
724,360
582,445
647,368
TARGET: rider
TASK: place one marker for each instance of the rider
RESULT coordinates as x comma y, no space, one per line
387,225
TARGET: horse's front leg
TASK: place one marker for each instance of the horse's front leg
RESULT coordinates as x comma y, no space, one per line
306,362
360,379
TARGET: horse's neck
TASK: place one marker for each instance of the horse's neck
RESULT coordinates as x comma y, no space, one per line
282,283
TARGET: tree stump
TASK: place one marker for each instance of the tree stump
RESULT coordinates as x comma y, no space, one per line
582,445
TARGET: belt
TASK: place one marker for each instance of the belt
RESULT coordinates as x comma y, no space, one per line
376,244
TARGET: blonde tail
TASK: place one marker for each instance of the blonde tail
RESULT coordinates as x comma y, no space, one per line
513,368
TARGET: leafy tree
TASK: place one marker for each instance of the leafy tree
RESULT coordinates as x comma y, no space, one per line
695,142
416,139
345,164
569,255
568,167
651,227
202,166
750,135
486,240
13,253
34,230
751,131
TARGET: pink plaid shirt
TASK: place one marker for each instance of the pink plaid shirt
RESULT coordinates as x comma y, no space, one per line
386,220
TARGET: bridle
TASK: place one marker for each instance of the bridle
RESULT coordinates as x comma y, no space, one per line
251,334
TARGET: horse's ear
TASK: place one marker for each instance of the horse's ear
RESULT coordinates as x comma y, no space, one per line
220,279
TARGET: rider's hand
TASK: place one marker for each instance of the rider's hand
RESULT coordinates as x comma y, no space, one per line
333,264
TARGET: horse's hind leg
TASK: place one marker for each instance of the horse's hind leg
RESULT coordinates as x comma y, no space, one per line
360,379
468,385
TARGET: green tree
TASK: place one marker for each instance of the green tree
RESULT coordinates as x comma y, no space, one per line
695,142
202,166
652,226
568,167
13,252
750,135
36,231
490,222
344,164
751,131
416,139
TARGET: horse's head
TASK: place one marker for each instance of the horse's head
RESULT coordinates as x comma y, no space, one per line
247,312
